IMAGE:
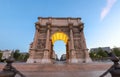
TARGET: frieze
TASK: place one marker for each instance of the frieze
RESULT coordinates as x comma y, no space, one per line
41,43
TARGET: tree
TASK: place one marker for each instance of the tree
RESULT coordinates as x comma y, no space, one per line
98,54
26,57
16,54
20,56
0,55
116,51
101,53
23,57
92,55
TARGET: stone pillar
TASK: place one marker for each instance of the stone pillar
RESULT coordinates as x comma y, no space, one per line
46,57
36,36
33,47
84,46
87,57
51,53
67,56
73,58
67,52
50,48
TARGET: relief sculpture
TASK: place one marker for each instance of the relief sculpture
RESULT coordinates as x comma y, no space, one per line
41,43
77,44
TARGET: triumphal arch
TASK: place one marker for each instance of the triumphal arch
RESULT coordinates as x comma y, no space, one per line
49,30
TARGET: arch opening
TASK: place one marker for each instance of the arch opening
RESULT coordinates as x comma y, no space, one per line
59,42
59,48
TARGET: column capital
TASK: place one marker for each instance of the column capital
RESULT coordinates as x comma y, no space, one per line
37,25
70,24
48,24
81,26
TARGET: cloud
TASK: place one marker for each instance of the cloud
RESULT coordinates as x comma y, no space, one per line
107,8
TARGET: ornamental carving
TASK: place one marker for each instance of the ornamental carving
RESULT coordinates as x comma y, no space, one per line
77,44
41,43
51,30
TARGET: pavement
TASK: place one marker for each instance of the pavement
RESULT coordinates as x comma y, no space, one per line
61,69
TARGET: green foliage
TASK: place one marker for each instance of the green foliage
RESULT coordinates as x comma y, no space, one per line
26,57
23,57
92,55
101,53
0,55
16,54
116,51
20,56
98,54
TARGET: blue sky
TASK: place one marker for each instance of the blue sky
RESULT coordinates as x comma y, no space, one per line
17,18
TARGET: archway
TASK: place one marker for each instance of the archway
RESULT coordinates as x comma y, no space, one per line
61,39
59,48
49,30
59,36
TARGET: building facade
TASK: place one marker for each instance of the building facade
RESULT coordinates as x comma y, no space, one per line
108,49
6,54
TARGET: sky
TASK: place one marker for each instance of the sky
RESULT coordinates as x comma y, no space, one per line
17,18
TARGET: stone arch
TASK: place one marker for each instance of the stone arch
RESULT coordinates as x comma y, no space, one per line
48,30
59,36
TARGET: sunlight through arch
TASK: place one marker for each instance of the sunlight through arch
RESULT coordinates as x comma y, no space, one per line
59,36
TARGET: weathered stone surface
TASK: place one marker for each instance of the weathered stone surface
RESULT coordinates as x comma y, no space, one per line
76,45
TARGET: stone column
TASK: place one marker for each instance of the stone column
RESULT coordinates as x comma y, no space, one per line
73,58
84,46
46,57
